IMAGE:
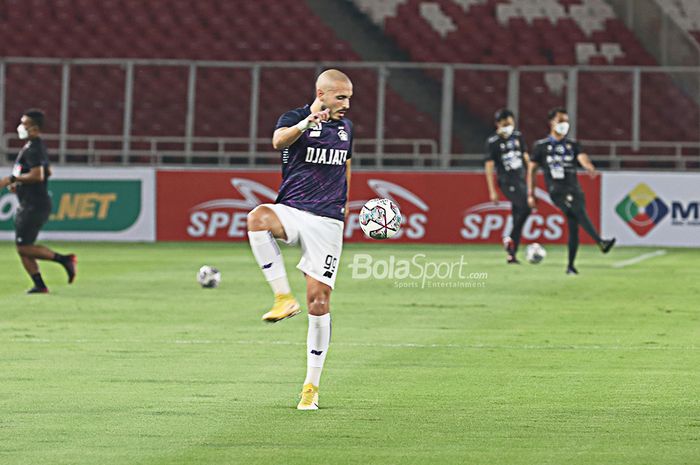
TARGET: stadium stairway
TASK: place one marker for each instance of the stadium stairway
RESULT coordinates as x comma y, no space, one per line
685,14
371,44
670,31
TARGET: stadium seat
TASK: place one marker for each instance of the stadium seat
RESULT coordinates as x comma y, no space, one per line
519,32
515,32
181,29
584,52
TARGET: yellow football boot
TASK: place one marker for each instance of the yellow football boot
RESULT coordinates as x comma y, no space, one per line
309,398
285,306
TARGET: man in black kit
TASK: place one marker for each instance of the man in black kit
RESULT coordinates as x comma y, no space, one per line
507,151
558,155
29,181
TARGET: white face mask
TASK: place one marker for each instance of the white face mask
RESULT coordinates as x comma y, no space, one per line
506,131
561,128
22,132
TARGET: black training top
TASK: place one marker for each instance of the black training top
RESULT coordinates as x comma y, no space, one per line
33,154
507,154
559,161
314,166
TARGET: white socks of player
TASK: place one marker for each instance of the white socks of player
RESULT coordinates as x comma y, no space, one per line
317,342
269,257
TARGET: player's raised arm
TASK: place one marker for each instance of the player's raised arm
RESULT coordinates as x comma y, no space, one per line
284,137
36,174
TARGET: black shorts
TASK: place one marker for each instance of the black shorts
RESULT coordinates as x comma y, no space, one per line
515,191
28,223
568,200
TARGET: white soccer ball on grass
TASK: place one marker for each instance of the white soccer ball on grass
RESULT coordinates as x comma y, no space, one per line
535,253
208,277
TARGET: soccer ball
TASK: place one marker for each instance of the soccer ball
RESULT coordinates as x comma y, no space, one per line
208,277
535,253
380,219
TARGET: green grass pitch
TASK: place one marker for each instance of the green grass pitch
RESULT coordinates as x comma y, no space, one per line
135,364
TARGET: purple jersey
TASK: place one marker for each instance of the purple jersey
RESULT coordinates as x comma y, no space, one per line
313,167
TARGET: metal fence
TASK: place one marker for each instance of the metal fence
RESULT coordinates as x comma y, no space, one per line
433,143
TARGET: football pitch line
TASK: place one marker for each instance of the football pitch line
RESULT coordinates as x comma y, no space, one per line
640,258
406,345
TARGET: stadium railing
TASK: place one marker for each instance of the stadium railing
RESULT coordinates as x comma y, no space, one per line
512,89
94,150
158,151
620,155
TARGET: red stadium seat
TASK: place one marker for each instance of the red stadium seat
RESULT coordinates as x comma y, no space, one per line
480,38
275,30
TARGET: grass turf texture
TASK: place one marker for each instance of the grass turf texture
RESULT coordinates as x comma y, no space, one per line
135,364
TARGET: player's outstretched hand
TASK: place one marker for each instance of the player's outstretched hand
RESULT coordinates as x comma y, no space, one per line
593,173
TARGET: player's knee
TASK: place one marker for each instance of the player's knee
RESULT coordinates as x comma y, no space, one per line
258,219
22,249
319,301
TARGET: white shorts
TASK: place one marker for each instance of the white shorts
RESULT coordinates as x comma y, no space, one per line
321,241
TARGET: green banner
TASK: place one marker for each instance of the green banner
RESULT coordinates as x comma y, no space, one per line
84,205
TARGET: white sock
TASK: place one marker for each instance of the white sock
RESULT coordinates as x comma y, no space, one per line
268,255
317,342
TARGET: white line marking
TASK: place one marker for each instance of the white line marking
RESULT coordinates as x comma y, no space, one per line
641,258
407,345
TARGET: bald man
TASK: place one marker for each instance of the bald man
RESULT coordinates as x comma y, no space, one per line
316,146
